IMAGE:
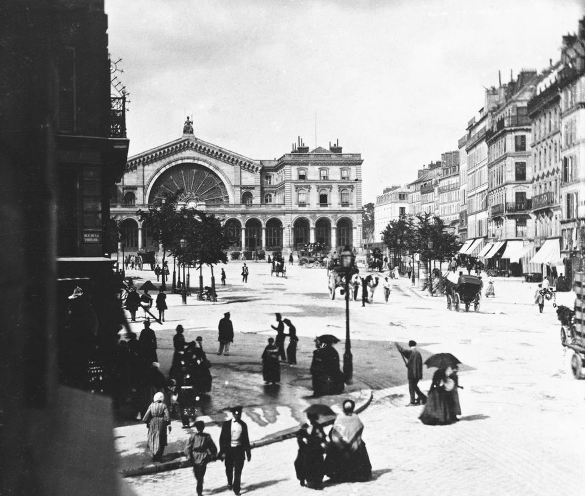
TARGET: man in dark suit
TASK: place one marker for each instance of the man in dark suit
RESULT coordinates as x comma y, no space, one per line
234,448
414,365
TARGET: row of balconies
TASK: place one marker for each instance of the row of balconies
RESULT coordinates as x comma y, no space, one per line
446,189
543,200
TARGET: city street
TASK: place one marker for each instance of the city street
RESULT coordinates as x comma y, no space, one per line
521,429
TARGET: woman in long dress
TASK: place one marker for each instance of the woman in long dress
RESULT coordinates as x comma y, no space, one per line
309,465
271,363
157,419
291,350
437,409
347,457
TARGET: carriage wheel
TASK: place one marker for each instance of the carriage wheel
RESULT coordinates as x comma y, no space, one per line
456,301
467,307
577,366
563,336
332,286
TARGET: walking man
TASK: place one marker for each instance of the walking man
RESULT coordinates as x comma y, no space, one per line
234,448
539,298
222,277
414,364
226,334
245,273
200,450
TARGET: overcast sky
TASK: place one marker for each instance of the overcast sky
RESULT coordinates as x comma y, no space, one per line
396,81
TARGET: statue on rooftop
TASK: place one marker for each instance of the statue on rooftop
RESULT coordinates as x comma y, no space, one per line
188,127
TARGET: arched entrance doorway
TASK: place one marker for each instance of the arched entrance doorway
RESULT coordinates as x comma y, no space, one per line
323,232
274,234
253,235
129,231
301,233
233,228
344,233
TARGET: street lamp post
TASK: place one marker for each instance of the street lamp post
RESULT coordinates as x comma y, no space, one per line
183,244
430,246
174,286
123,259
347,265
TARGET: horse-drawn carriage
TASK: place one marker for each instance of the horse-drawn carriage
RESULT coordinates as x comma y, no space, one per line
278,267
466,290
336,278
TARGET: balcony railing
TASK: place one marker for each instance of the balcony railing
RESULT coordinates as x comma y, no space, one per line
427,189
118,117
508,122
543,200
511,208
498,209
472,140
445,189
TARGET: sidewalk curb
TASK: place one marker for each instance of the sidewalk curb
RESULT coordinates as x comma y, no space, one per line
182,462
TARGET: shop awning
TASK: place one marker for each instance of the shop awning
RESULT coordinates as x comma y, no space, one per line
495,249
476,247
522,252
485,250
465,246
549,252
512,249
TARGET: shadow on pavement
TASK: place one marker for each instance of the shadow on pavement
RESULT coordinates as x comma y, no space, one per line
376,474
479,416
246,488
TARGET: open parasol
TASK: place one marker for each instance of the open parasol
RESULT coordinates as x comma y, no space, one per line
328,339
320,409
442,361
147,285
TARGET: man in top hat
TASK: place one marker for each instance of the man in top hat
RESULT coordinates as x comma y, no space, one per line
414,364
226,334
234,448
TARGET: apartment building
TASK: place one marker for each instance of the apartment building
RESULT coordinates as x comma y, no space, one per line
448,190
392,204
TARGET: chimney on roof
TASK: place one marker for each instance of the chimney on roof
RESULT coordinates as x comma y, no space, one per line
335,148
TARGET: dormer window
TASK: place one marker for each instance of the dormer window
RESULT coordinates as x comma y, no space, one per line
302,174
324,174
345,174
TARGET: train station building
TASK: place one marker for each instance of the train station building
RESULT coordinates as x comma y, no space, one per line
305,196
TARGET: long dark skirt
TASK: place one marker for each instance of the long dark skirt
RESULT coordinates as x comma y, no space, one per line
344,465
310,467
291,352
436,410
271,369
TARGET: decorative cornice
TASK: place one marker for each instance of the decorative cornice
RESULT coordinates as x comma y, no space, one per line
304,186
195,145
346,186
248,187
325,186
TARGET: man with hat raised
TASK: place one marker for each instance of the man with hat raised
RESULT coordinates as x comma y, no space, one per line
414,364
234,448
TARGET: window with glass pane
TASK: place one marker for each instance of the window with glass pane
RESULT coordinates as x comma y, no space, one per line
520,171
247,198
344,196
344,173
129,199
268,179
302,174
324,174
520,143
323,198
521,228
302,197
268,198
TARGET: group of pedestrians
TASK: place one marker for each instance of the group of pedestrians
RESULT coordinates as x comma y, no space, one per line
275,353
341,455
441,406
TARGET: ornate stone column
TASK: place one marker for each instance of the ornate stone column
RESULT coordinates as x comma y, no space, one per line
139,237
311,234
263,247
243,238
333,237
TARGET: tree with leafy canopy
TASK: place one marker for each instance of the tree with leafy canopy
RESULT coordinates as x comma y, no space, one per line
165,224
368,222
206,242
398,235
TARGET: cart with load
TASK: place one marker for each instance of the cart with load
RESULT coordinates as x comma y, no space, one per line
278,267
336,278
573,328
466,291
